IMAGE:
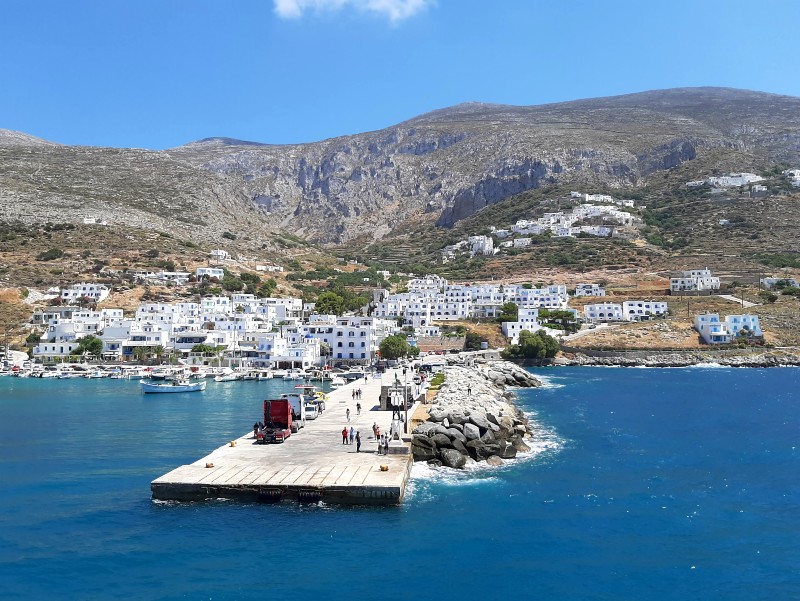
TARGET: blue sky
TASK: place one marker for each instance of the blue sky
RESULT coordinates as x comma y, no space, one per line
160,73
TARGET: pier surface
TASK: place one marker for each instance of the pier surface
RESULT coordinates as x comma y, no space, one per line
311,465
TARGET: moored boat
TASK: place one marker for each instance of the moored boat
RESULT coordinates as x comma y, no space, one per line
172,386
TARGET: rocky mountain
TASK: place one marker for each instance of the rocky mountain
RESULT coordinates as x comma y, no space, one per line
437,168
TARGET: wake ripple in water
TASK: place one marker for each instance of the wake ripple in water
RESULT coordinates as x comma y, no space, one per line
549,381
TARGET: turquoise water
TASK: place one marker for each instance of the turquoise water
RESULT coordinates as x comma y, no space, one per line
646,484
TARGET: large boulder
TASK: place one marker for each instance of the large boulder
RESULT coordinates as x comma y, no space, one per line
424,428
441,440
520,445
422,448
456,435
480,450
452,458
507,450
479,419
460,447
494,461
471,432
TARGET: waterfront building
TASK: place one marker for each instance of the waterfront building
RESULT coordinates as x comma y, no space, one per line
637,310
603,312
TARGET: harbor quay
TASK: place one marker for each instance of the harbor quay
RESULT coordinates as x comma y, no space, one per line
311,465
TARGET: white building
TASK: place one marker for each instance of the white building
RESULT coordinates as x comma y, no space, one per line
637,310
212,272
481,245
695,280
589,290
94,292
603,312
715,331
220,255
527,319
770,283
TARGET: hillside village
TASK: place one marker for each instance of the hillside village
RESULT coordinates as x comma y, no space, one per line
285,332
586,218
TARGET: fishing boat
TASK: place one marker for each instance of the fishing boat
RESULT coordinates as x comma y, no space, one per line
172,386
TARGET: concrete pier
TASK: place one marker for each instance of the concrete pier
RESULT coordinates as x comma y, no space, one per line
312,464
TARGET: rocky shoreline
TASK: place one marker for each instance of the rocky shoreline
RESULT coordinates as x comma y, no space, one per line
682,359
472,418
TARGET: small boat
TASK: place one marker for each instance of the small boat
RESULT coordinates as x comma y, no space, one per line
227,377
265,374
337,382
173,386
295,374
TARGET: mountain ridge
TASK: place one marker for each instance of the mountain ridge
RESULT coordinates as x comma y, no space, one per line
436,168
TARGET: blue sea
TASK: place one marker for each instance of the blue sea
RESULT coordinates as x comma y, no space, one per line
644,484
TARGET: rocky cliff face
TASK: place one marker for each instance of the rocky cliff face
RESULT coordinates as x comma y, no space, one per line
437,168
448,164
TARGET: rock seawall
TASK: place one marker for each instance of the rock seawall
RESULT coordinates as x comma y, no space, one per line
684,359
472,417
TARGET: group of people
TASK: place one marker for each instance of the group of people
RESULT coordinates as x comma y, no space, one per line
356,394
350,436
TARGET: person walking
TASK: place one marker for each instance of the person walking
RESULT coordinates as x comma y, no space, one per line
375,430
353,394
358,408
469,390
352,434
380,446
386,445
344,435
358,442
347,413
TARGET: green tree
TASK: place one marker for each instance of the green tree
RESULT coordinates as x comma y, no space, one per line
50,255
394,347
563,320
205,349
532,345
767,296
90,345
473,342
329,303
509,312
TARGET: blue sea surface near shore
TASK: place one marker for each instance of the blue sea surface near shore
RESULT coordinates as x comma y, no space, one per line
653,484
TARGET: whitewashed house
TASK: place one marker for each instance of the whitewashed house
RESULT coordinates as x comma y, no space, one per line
603,312
769,283
527,319
589,290
713,330
94,292
211,272
220,255
695,280
637,310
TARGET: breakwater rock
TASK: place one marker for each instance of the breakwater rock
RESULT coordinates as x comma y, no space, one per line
472,417
683,359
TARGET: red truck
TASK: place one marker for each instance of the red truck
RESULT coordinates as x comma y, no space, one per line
277,421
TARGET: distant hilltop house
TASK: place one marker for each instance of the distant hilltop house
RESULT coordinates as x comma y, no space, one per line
589,290
93,221
211,272
481,245
793,175
95,292
695,281
220,255
713,330
602,198
731,180
771,283
269,268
